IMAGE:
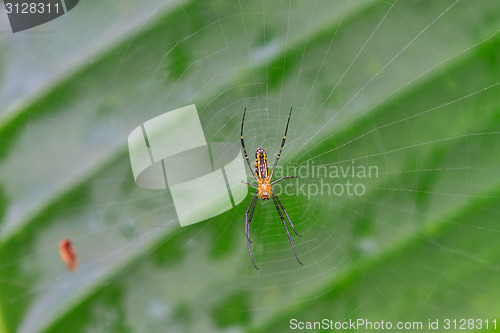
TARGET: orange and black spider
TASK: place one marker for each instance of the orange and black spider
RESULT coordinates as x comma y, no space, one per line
264,187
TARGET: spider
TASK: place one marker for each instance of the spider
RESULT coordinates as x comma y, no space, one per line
264,187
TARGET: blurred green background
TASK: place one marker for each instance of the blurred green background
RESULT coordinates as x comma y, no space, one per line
410,86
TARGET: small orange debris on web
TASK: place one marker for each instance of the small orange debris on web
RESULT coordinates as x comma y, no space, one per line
68,254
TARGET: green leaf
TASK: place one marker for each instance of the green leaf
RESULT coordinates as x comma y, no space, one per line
406,90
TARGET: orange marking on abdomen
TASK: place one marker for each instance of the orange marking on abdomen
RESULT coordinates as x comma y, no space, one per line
261,170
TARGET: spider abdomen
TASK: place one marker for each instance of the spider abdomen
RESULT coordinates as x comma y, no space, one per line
261,170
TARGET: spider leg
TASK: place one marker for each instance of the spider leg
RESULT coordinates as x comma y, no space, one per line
284,210
248,220
283,178
282,144
243,144
244,182
284,223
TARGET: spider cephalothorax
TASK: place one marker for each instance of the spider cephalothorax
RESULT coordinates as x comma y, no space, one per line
264,187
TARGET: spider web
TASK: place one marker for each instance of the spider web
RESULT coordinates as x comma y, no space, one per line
405,87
